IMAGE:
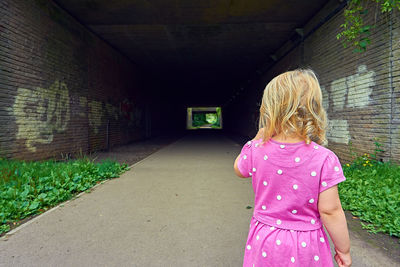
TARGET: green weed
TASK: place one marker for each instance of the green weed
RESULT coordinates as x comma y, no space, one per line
28,188
372,192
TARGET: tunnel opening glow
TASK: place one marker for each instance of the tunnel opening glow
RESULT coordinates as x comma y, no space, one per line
204,118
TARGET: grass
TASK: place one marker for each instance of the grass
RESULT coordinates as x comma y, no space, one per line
372,193
29,188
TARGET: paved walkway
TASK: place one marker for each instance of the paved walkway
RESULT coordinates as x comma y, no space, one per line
181,206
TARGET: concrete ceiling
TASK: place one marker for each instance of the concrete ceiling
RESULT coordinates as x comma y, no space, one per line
212,42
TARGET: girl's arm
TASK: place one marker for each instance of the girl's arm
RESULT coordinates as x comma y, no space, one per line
235,167
334,220
259,135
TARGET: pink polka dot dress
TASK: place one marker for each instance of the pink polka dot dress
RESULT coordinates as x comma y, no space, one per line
285,229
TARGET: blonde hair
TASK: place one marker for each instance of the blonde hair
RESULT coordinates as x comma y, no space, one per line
292,104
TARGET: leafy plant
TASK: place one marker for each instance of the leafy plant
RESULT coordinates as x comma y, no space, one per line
371,192
28,188
355,32
199,119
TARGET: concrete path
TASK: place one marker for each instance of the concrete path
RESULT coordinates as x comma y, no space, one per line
181,206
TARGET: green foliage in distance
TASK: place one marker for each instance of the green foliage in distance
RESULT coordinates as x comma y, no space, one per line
355,32
212,118
29,188
199,119
372,193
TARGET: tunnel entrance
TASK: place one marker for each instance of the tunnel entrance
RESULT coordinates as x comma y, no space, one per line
204,118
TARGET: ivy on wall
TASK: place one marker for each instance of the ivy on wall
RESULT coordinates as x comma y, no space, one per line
354,31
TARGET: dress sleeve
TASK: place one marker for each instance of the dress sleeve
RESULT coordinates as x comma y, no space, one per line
245,159
331,173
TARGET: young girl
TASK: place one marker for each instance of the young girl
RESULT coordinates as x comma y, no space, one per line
294,179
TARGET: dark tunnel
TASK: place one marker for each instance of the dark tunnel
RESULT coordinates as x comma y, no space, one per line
94,74
197,53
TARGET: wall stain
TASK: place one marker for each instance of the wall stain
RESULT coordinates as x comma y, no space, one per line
95,115
83,105
112,111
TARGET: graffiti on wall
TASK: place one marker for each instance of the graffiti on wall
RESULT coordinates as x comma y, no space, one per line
95,115
99,112
82,105
41,113
348,92
131,112
112,111
325,98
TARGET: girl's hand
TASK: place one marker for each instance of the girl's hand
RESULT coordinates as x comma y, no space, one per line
343,259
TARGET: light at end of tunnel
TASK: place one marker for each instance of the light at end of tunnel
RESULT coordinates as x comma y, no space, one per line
204,118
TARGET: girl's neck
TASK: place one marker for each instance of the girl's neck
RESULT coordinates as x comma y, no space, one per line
287,139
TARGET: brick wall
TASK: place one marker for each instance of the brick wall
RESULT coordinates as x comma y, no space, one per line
361,91
62,89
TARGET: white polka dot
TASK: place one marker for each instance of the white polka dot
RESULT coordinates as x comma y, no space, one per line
264,207
315,147
258,237
313,173
322,239
244,157
303,244
324,184
278,222
282,146
311,201
312,221
265,183
278,197
278,242
294,211
248,247
264,254
256,145
254,169
336,168
250,174
292,259
272,228
297,159
256,222
249,143
292,231
265,157
279,171
316,258
295,186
